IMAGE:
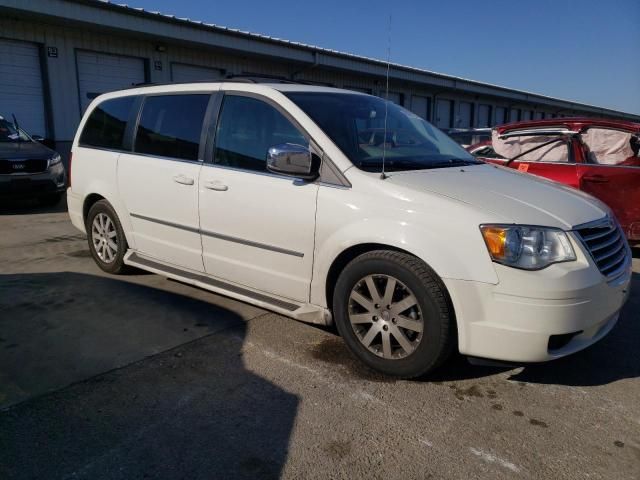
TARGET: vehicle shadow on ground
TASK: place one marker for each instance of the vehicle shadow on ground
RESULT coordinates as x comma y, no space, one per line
30,206
192,411
613,358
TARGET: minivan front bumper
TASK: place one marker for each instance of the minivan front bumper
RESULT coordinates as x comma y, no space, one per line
535,316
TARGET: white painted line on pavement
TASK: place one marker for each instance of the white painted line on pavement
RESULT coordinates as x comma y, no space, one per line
491,458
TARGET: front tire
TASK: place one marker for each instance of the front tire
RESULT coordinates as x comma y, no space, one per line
394,313
107,242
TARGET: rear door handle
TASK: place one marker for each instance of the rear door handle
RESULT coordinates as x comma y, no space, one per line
183,180
595,179
219,187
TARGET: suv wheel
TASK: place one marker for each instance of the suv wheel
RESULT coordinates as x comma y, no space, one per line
394,314
107,242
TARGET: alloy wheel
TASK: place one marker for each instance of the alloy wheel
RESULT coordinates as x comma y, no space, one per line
385,316
104,237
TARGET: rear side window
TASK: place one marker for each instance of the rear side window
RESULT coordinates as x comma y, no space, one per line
170,125
106,125
606,146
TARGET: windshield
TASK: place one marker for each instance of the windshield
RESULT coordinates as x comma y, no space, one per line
9,133
356,124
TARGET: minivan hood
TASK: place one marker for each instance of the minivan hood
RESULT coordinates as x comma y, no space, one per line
516,197
24,150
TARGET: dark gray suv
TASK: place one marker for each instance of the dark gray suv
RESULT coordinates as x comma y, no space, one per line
28,168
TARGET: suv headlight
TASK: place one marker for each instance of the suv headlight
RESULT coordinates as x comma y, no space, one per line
529,248
55,160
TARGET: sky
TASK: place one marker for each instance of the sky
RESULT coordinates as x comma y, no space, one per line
582,50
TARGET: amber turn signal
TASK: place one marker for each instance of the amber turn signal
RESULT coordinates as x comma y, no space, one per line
495,238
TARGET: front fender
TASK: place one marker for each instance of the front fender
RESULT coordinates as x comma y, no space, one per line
451,245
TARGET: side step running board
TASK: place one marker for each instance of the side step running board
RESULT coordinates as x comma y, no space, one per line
304,312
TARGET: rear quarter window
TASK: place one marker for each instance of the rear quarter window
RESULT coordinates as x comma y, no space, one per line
106,124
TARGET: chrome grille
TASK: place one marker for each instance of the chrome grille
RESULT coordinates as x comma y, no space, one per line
607,245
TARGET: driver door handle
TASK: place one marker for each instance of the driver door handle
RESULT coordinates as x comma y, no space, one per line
217,186
183,180
595,179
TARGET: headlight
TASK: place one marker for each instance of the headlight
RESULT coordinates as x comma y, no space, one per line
530,248
54,160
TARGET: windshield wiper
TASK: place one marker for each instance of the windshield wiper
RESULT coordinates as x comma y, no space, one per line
399,165
454,162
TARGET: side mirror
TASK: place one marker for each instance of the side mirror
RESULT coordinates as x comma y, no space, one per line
38,138
294,160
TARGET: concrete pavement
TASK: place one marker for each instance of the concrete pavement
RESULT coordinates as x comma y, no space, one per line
142,377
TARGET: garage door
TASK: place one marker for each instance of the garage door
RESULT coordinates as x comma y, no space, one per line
420,106
465,115
21,90
394,97
358,89
181,72
443,113
99,73
484,116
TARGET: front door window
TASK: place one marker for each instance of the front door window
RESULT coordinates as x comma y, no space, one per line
248,127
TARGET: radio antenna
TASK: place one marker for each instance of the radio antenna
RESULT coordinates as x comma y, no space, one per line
386,103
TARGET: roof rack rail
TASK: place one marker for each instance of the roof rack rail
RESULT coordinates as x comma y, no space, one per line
161,84
266,78
258,78
240,78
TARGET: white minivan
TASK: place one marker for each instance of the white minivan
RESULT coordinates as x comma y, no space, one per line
332,206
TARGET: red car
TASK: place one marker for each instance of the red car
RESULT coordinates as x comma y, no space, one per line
599,157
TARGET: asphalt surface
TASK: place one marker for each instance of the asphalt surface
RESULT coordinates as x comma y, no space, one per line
141,377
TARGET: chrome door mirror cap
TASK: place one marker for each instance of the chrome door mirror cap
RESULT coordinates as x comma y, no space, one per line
294,160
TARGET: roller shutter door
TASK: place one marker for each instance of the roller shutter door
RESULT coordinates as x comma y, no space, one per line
420,106
181,72
99,73
484,116
395,97
443,113
358,89
465,115
21,87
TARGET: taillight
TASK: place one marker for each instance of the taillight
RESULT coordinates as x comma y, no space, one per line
69,169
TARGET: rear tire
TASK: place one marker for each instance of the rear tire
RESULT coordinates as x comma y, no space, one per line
394,313
107,242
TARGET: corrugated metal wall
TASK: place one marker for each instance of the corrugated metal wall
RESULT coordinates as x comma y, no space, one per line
61,73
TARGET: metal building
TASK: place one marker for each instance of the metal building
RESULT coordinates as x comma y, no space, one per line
57,55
